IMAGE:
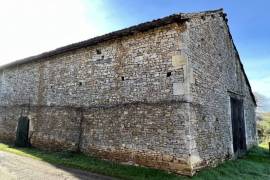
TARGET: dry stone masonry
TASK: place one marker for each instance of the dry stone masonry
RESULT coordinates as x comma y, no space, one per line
157,94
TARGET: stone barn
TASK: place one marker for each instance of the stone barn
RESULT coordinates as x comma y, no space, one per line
170,94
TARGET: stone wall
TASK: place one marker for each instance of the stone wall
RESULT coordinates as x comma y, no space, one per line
147,134
216,74
123,99
157,98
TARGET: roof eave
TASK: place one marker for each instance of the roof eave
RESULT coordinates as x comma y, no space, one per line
239,59
180,18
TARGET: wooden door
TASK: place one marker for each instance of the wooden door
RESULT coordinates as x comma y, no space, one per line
22,132
238,126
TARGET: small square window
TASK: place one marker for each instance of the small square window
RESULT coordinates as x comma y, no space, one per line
98,51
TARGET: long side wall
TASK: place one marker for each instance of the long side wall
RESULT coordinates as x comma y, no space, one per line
216,70
124,99
152,135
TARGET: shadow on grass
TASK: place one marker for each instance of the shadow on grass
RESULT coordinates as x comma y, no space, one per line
83,162
255,165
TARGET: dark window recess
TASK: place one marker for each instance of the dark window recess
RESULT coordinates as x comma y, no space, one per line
123,78
203,17
51,87
80,83
220,68
195,81
98,51
169,74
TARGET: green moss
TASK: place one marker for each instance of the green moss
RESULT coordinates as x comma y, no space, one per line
255,165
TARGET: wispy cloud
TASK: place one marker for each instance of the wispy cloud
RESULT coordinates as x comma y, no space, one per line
32,26
261,86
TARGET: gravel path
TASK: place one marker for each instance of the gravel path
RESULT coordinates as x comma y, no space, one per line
23,168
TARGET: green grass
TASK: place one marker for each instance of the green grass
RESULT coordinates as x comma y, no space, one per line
255,165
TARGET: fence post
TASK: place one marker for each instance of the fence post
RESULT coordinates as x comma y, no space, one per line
269,147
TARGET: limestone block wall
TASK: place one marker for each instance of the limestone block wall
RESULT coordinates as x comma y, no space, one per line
216,73
123,99
152,135
158,97
18,89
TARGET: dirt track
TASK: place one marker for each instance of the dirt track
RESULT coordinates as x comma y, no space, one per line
22,168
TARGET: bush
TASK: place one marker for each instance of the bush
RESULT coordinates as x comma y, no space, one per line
263,127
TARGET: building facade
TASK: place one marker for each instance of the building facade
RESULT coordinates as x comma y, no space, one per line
170,94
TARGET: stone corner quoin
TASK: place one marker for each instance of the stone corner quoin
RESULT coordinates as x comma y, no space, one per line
161,94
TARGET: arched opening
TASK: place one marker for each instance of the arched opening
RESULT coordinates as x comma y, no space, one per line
22,139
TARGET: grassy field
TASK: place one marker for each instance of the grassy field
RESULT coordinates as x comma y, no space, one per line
255,165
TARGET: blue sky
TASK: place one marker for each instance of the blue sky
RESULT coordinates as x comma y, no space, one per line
33,26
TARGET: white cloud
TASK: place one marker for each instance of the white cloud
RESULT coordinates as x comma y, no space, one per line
29,27
261,86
